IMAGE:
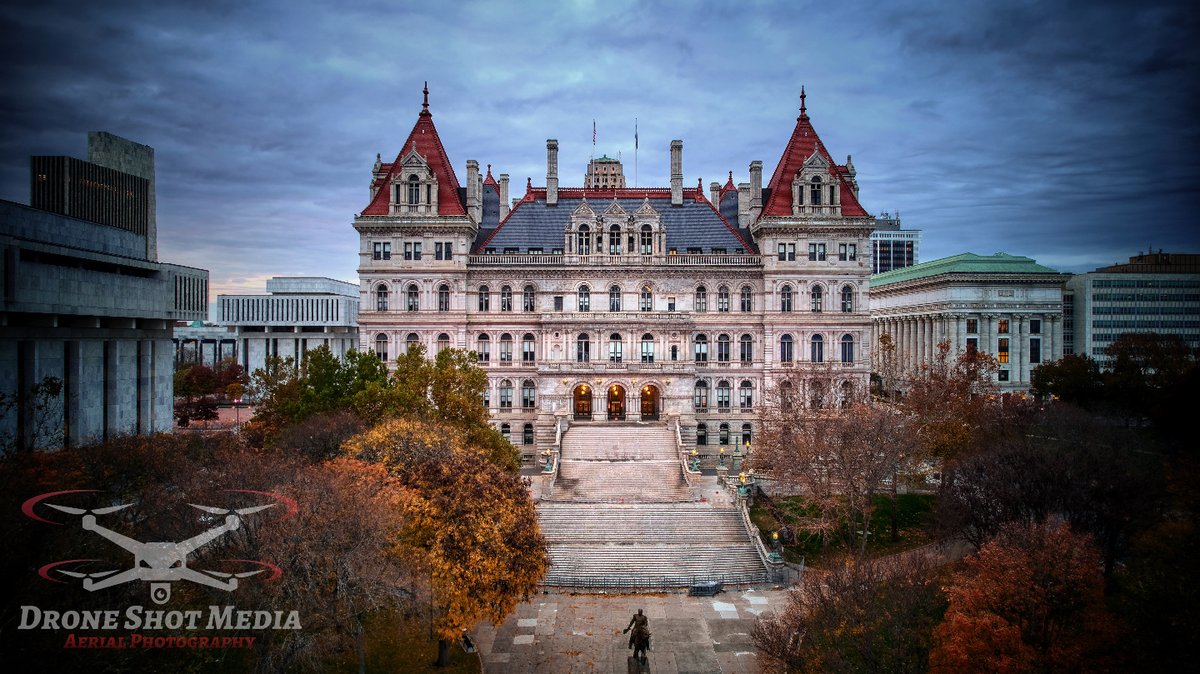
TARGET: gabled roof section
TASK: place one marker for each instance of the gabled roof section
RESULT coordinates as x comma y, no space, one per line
424,139
803,143
964,263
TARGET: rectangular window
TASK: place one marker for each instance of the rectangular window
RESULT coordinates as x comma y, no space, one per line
1002,350
816,252
408,251
973,326
782,252
787,252
378,251
674,353
853,254
1002,326
1035,326
972,345
417,251
1035,349
558,302
437,250
670,304
443,250
1002,375
842,252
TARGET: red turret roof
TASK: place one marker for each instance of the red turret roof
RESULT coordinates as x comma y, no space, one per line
424,137
728,186
489,180
800,147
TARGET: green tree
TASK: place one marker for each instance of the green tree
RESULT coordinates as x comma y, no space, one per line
1073,379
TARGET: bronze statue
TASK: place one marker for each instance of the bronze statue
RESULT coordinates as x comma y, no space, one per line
639,641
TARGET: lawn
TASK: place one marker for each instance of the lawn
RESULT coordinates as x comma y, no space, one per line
913,510
395,644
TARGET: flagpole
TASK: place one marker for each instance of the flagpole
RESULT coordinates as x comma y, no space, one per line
635,152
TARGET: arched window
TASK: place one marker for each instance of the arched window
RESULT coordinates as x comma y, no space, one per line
615,348
614,298
485,298
647,240
487,396
506,298
506,394
818,297
381,298
745,395
411,342
723,299
787,395
701,434
412,297
785,349
528,395
647,348
585,298
724,393
785,298
747,299
723,348
847,299
583,240
847,349
724,434
847,394
483,348
818,349
646,299
701,396
701,348
746,348
614,240
381,346
746,432
527,435
701,302
506,431
529,299
414,190
583,348
443,297
506,344
443,342
528,349
814,191
816,394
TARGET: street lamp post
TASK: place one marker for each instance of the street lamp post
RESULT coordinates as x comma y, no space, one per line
722,456
695,460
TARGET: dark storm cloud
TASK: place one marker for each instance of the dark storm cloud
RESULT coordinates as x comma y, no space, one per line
1058,130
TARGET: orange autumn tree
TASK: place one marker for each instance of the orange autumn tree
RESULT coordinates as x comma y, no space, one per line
1031,600
470,522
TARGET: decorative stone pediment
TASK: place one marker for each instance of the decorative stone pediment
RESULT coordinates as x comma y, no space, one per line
583,212
614,210
646,210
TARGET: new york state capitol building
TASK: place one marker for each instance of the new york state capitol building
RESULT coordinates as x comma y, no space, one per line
623,304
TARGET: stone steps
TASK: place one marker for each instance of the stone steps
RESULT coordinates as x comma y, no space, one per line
649,524
619,565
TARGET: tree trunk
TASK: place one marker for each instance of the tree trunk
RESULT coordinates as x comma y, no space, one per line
360,645
443,658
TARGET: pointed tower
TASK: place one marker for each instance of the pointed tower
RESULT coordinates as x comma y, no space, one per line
416,226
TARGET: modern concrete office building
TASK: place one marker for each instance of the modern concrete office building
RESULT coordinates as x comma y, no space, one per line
1005,305
892,247
1153,292
86,302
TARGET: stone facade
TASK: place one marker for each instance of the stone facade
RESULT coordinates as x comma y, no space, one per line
1007,306
90,305
634,304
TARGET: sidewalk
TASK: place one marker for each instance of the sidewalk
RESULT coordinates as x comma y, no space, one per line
564,633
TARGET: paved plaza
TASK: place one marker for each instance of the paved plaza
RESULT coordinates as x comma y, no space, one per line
570,634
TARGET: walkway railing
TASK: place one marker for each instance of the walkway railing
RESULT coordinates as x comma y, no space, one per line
651,582
681,450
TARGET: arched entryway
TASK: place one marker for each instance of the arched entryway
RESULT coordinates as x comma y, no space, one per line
616,402
583,402
650,402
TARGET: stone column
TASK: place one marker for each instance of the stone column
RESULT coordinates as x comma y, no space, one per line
1019,352
1056,338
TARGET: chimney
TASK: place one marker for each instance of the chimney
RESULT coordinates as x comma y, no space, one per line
503,195
677,173
551,172
755,188
714,188
474,198
743,197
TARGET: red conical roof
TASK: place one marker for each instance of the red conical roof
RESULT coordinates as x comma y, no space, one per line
424,137
800,147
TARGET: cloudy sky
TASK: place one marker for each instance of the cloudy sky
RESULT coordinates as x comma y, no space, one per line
1065,131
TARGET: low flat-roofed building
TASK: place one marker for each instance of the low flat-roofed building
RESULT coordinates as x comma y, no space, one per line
86,302
1005,305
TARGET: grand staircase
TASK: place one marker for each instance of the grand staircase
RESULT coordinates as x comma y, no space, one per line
621,515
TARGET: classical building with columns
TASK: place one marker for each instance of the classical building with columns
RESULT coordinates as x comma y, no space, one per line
667,304
1004,305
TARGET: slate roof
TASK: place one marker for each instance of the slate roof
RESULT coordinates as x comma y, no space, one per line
965,263
800,147
695,224
424,137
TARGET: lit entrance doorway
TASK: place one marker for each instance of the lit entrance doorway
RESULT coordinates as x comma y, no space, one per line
583,402
650,402
616,403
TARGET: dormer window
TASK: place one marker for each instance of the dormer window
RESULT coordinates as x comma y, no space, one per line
414,190
814,191
583,240
647,240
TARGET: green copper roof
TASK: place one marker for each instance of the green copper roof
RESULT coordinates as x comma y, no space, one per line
966,263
